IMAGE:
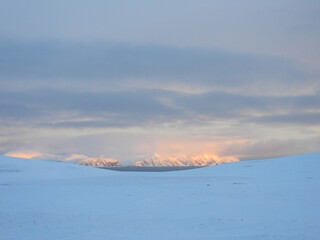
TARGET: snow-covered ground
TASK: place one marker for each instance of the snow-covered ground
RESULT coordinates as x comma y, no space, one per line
265,199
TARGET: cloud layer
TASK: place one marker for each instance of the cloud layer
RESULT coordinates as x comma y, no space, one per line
119,79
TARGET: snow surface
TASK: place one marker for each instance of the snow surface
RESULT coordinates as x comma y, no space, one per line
265,199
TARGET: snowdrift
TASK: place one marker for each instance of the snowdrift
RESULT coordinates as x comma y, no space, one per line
265,199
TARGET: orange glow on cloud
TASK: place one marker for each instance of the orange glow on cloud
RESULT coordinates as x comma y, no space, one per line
189,151
190,145
21,154
75,156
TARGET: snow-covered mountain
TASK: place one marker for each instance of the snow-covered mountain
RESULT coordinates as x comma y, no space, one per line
101,162
159,160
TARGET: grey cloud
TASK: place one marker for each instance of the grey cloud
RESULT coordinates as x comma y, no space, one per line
116,108
16,110
107,64
8,145
300,118
225,105
271,148
123,101
30,72
140,107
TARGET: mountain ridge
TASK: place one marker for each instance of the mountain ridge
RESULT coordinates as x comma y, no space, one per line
181,160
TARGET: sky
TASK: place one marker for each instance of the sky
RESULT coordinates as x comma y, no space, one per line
130,79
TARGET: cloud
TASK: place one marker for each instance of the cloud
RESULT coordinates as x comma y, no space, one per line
69,97
296,118
63,109
50,64
24,154
75,157
46,84
128,148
